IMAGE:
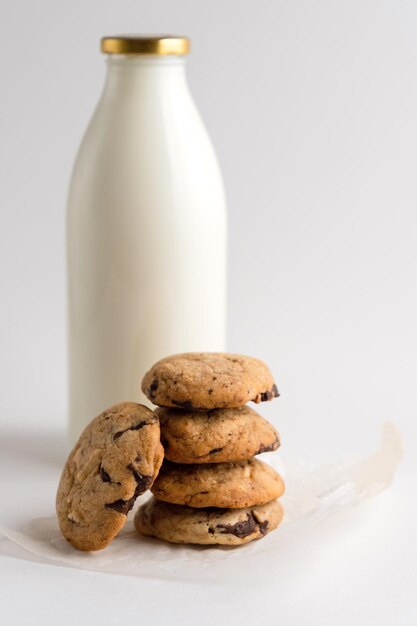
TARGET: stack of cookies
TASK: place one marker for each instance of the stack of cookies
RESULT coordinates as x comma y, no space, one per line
211,489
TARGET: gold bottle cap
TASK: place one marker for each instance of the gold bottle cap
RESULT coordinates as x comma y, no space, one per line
145,44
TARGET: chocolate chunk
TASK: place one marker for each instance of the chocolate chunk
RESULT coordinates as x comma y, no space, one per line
210,391
240,529
152,388
269,395
105,477
135,427
273,446
143,482
187,405
243,529
263,526
121,506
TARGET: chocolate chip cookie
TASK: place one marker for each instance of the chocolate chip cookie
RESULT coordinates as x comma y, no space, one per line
215,436
230,527
224,485
116,459
208,380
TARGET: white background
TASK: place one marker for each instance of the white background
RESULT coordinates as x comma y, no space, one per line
312,107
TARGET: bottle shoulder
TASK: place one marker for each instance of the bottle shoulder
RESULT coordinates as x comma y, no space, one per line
137,141
150,125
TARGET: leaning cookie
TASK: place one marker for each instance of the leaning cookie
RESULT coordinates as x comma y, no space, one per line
230,527
116,459
208,380
215,436
224,485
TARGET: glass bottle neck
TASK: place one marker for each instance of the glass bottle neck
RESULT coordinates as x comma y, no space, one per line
145,72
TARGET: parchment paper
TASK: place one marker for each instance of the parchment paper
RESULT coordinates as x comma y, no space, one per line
313,494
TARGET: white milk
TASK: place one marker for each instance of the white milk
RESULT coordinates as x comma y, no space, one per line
146,231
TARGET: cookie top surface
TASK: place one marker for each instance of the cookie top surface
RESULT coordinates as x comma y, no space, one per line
215,436
230,527
116,459
208,380
225,485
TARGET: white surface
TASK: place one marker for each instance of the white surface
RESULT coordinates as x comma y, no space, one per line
146,236
355,568
311,106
